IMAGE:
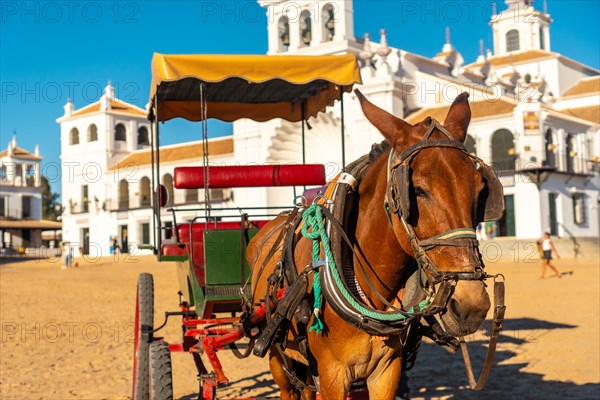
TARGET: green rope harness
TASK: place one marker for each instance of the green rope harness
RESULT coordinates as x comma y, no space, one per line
313,220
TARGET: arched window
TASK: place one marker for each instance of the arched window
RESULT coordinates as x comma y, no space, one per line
328,18
120,133
512,40
168,182
570,153
305,28
550,160
74,136
145,197
123,194
92,133
29,175
191,195
143,139
283,36
471,145
542,40
503,150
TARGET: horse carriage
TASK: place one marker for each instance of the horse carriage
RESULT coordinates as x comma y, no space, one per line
340,288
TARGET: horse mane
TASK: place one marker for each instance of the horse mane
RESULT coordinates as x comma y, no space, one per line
377,149
359,167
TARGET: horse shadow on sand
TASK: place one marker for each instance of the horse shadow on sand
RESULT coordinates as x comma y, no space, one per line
440,375
261,382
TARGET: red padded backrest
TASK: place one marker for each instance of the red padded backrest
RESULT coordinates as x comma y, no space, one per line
250,176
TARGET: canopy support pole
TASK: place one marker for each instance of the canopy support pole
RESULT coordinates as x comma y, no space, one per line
158,230
303,108
343,133
204,127
154,187
303,135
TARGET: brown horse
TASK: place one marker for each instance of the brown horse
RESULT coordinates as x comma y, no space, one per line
444,195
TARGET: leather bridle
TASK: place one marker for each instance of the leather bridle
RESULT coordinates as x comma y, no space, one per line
397,202
399,179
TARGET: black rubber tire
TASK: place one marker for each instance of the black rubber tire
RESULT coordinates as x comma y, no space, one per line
144,317
161,372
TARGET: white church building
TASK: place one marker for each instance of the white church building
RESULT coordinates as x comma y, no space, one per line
535,118
21,223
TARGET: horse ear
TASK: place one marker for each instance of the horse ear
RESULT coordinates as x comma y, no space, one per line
386,123
459,116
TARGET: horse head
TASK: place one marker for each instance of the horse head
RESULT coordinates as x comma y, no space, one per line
435,190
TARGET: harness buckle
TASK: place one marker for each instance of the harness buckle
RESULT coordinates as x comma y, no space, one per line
322,197
314,265
301,202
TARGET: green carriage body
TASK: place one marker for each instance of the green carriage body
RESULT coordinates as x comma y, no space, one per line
222,270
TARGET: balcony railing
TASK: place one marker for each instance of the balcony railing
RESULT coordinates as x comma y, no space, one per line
127,204
135,203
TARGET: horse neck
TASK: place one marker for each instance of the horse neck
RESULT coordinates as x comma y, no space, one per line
377,246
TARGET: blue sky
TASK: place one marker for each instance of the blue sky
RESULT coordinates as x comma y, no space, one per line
50,51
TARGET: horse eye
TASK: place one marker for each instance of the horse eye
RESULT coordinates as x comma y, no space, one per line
420,192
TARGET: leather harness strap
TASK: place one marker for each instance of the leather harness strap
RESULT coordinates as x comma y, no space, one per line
380,323
499,309
285,226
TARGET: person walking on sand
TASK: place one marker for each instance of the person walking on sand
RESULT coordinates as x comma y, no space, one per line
68,253
547,249
116,247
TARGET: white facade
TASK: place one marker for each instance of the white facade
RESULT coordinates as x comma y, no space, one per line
535,119
20,195
93,139
555,158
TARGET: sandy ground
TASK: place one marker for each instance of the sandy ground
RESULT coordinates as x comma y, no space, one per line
67,334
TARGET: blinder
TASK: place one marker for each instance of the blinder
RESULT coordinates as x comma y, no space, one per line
403,179
397,201
490,202
493,199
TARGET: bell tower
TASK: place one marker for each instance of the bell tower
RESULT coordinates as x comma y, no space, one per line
299,26
520,27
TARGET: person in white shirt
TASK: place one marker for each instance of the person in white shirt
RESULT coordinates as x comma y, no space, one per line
547,249
68,254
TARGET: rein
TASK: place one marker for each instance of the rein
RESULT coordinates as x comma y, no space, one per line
459,237
323,224
381,323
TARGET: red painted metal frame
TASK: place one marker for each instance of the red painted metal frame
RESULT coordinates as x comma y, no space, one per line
207,336
212,336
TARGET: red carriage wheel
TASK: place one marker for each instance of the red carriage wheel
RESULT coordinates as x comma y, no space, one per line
161,373
144,323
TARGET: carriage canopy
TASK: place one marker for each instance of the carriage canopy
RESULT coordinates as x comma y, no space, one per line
258,87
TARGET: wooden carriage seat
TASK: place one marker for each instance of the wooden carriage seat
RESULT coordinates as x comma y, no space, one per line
198,229
231,177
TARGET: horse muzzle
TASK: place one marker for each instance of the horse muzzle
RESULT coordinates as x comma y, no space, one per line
467,308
